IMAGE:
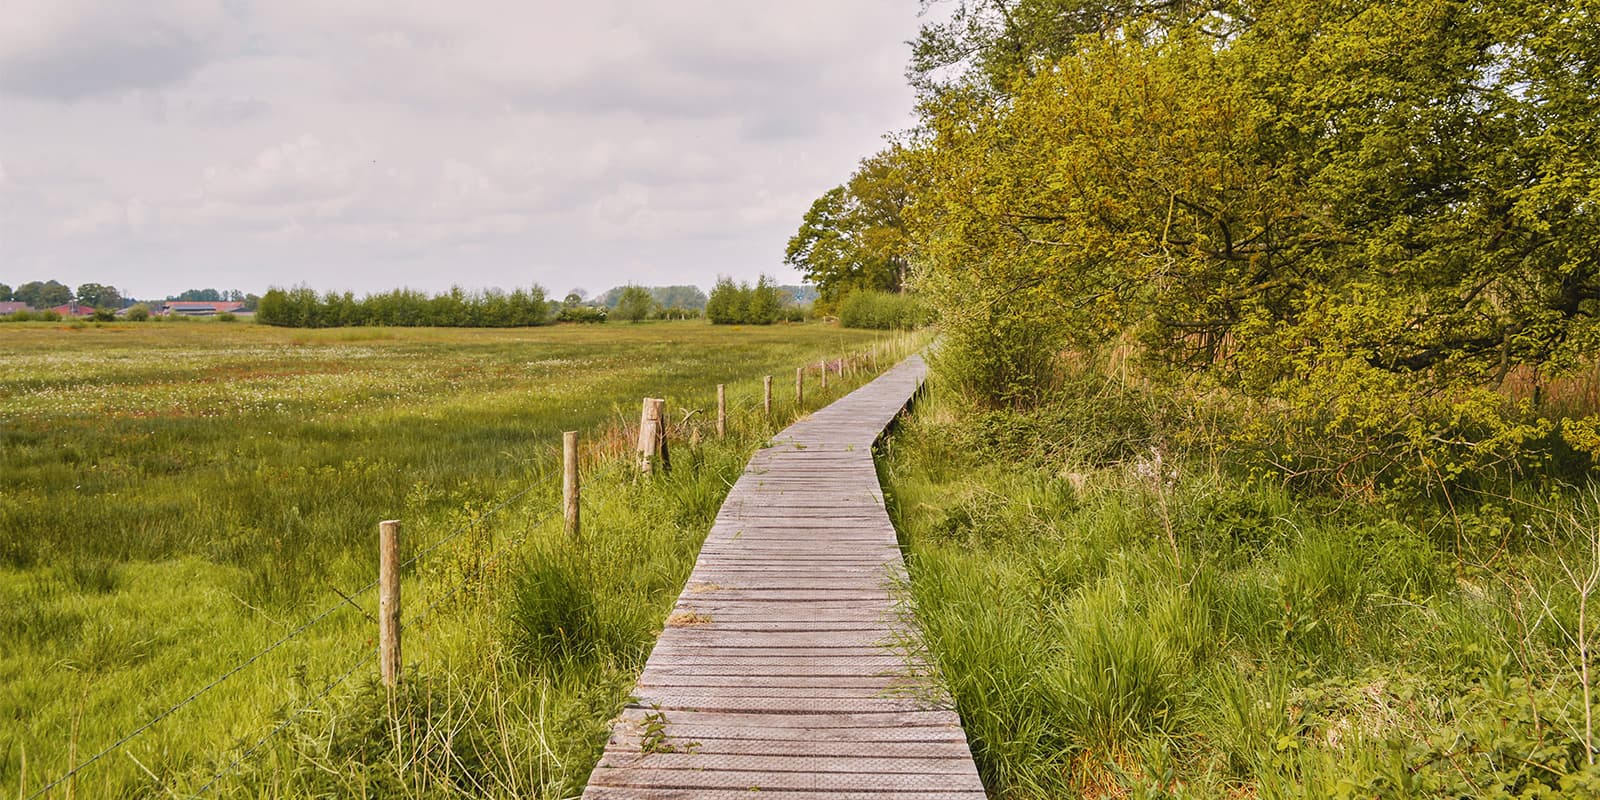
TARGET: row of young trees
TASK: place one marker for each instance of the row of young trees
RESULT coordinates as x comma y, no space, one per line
302,307
743,304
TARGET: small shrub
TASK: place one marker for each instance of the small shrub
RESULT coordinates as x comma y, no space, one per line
138,313
588,314
48,316
22,316
104,315
227,316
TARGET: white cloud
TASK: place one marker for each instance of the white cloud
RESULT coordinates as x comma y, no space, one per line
357,144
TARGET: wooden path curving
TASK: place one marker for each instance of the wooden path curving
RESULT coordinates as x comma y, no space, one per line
782,671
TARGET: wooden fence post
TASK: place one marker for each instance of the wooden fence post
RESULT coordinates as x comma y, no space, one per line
389,602
653,435
569,481
722,411
766,395
822,366
799,388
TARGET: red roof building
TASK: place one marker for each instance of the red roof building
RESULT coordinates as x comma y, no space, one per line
74,310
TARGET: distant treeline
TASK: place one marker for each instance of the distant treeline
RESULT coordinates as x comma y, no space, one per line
302,307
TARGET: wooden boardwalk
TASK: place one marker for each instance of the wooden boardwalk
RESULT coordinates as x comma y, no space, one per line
782,671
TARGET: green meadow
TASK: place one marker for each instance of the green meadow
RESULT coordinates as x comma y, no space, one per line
179,497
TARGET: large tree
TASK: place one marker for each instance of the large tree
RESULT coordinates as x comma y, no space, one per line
99,296
854,236
1411,186
45,294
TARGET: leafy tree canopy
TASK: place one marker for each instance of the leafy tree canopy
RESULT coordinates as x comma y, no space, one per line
1263,190
854,236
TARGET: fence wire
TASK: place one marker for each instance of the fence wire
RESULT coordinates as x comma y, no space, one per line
346,602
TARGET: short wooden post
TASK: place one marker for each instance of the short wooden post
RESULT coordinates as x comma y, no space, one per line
722,411
822,366
838,366
799,387
652,435
766,395
569,481
389,602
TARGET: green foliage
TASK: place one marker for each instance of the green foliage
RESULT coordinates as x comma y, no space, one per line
42,295
1297,649
634,303
1300,190
882,310
5,292
854,237
580,313
139,312
98,296
300,307
684,297
743,304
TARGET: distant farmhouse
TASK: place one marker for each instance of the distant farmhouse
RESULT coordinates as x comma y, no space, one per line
74,310
12,307
197,308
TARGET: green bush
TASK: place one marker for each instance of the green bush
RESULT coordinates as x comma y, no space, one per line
634,304
139,313
883,311
588,314
227,316
104,315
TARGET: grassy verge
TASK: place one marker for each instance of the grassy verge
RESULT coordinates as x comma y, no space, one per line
180,497
1117,618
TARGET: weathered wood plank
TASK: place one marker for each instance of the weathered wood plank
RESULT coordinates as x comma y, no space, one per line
782,670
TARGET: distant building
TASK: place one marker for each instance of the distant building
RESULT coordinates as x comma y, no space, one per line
74,310
202,308
11,307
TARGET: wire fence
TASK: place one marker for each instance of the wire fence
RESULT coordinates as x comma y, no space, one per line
347,600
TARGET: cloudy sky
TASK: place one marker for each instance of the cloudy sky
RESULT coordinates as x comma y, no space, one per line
161,145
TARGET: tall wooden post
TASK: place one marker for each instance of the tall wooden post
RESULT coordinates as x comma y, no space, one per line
822,366
722,411
766,395
389,602
569,481
799,388
653,435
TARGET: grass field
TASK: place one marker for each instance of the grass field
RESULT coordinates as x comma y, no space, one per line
1119,618
177,497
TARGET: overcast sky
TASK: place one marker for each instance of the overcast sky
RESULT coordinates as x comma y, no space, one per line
160,145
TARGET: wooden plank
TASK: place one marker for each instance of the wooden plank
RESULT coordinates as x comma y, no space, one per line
631,793
783,669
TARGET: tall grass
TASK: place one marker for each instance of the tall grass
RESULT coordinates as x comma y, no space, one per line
1115,618
178,497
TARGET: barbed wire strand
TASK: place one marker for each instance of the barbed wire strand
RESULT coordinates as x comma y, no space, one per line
346,676
287,721
285,639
